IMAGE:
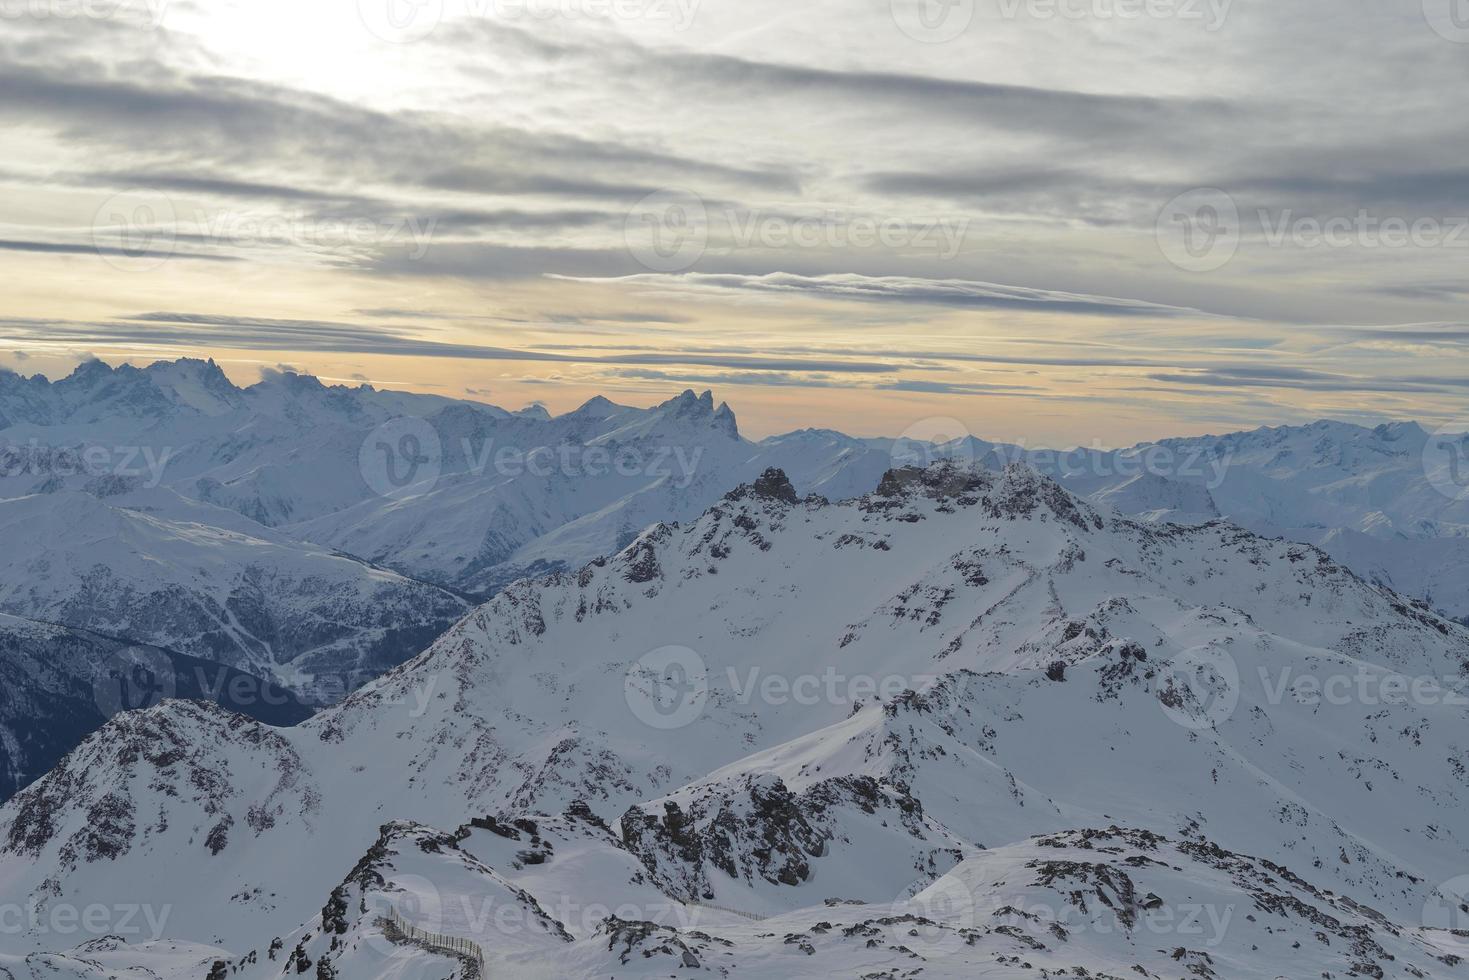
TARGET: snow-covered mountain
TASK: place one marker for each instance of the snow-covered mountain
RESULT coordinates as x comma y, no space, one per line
1379,500
490,495
58,685
303,615
965,724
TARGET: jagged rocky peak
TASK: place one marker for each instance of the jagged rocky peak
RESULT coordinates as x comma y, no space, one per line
944,478
1017,491
774,484
537,412
691,407
1397,431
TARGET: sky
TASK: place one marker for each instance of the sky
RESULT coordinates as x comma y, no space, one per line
1052,221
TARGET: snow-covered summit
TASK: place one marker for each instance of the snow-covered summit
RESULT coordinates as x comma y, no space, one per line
818,711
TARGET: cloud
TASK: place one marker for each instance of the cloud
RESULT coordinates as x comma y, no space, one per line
1305,379
953,387
73,248
956,293
207,331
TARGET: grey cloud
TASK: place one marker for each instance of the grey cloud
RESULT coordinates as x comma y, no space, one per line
66,248
958,293
188,330
954,388
1301,378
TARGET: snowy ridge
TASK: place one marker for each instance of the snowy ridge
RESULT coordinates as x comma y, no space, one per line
1134,694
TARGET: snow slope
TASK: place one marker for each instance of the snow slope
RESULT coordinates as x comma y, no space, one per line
910,731
300,614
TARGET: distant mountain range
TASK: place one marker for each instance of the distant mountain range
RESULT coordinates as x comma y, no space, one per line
313,536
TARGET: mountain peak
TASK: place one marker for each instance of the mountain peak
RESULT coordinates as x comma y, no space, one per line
595,404
773,484
699,408
688,404
537,412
